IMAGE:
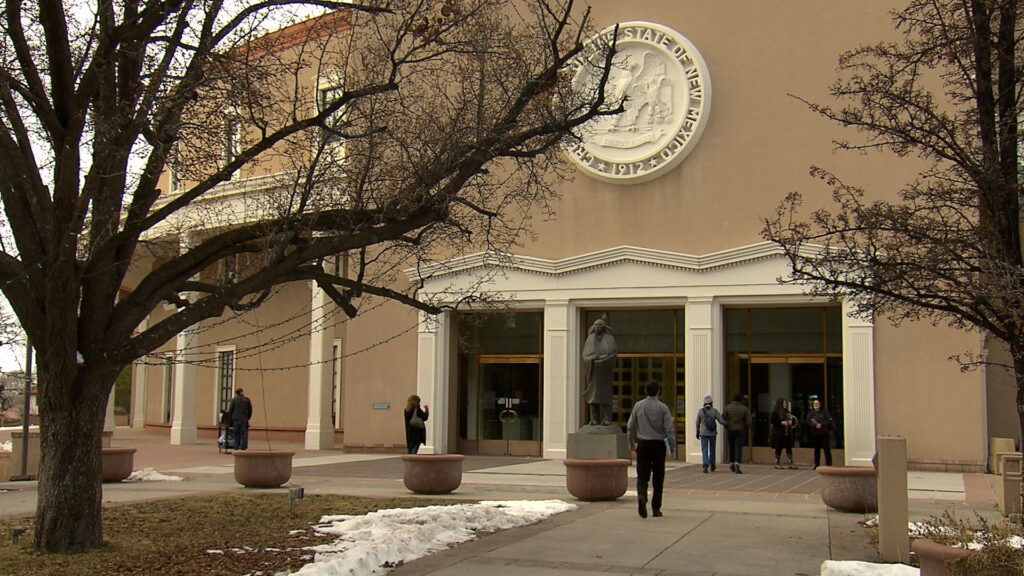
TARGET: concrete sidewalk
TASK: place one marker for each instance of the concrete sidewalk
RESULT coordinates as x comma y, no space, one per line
764,521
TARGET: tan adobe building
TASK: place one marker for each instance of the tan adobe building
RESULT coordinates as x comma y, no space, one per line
659,235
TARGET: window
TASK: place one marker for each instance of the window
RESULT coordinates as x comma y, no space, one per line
336,395
651,346
173,178
231,139
168,389
225,378
790,353
331,133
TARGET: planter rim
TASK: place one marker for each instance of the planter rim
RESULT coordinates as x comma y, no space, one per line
119,450
846,470
257,453
933,549
434,457
596,462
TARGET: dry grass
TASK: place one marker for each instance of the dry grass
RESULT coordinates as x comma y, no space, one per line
996,556
167,537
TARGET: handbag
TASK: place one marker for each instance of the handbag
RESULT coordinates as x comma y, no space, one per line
416,422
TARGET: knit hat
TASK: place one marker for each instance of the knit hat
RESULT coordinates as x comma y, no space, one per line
707,399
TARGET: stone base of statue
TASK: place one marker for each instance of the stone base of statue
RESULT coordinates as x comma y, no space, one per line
598,442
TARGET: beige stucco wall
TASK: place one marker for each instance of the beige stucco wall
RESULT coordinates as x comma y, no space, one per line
924,397
759,142
375,373
1003,421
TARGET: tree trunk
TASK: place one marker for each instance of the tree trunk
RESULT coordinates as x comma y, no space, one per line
70,488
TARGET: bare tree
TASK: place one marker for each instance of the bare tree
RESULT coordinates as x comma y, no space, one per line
440,130
949,249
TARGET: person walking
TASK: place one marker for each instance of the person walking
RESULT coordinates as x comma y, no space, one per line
650,426
707,432
784,426
415,424
737,417
821,425
241,413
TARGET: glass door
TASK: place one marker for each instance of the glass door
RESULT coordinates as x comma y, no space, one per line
509,407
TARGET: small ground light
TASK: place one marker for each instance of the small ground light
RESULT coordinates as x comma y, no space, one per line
16,531
294,494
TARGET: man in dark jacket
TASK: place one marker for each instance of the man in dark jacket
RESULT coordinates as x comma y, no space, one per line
241,412
738,417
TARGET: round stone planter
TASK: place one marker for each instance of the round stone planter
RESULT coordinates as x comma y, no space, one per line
116,463
849,488
262,468
432,473
596,478
933,556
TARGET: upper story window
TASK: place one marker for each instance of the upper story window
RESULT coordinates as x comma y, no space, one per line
173,176
331,133
231,139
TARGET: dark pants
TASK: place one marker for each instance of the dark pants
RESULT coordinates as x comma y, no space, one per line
821,442
241,429
736,440
412,447
650,458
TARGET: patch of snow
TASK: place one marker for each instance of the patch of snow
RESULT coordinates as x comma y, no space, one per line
150,475
855,568
372,543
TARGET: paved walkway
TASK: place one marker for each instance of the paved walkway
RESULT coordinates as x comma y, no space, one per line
765,521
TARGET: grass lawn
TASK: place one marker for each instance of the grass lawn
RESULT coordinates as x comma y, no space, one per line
253,532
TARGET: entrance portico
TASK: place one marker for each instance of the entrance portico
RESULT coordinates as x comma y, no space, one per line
627,278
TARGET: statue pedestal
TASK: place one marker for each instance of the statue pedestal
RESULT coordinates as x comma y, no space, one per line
598,442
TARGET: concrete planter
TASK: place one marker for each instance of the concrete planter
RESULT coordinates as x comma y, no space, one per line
597,478
849,488
934,557
432,473
116,463
262,468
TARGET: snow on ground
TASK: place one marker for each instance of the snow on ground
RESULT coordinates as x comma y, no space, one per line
372,543
854,568
150,475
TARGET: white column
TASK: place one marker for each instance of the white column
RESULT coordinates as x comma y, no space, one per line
183,419
108,419
140,372
432,380
561,384
703,367
140,379
319,427
858,389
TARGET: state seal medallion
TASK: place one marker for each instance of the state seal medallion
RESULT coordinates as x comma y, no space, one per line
665,89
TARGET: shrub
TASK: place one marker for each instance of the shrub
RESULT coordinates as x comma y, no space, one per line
999,547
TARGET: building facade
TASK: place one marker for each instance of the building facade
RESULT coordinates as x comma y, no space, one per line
660,235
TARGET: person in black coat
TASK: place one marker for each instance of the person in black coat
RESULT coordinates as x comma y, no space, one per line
820,423
241,413
415,427
784,426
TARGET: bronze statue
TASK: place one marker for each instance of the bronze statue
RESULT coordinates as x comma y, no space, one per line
599,354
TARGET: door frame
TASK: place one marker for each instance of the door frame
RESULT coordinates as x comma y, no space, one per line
507,447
